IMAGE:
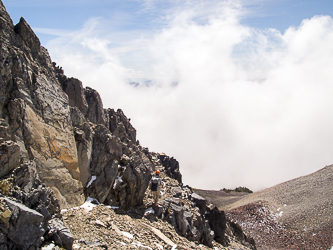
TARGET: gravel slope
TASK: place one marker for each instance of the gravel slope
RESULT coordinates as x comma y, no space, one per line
306,203
297,214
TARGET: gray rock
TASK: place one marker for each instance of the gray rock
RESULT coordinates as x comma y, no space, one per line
176,191
200,202
95,112
10,157
26,225
76,94
36,110
28,37
171,166
60,233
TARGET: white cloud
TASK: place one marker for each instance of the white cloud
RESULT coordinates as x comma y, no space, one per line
251,107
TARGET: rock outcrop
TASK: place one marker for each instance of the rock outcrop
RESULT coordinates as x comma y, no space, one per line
59,146
36,112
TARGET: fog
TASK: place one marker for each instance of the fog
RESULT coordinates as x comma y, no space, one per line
235,105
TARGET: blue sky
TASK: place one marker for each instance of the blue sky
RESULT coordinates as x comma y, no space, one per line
135,14
241,89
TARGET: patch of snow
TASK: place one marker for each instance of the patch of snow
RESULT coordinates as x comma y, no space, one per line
278,209
174,247
118,178
149,211
159,246
284,205
91,180
112,207
88,205
75,246
63,210
49,247
128,235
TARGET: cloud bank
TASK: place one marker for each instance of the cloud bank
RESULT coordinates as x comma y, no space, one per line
236,106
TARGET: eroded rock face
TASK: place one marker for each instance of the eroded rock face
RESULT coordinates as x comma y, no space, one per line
37,112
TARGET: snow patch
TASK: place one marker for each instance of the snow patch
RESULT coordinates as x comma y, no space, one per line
49,247
149,211
112,207
75,246
88,205
118,178
128,235
91,180
159,246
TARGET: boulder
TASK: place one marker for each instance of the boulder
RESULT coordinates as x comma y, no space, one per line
200,202
176,191
60,234
26,228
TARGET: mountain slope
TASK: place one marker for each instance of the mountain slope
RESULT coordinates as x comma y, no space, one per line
297,214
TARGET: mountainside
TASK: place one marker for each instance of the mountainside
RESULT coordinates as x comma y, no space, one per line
59,147
297,214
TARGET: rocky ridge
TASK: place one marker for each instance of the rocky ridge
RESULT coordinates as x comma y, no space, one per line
59,147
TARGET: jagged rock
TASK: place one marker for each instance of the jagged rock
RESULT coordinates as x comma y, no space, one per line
200,202
26,228
218,224
95,112
120,126
28,37
37,111
60,234
176,191
76,94
105,180
10,157
171,166
32,192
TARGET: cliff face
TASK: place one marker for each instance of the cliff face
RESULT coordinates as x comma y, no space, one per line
62,127
36,112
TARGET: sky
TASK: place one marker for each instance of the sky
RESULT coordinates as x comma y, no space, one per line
239,92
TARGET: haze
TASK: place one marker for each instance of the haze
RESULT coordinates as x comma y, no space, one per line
236,104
